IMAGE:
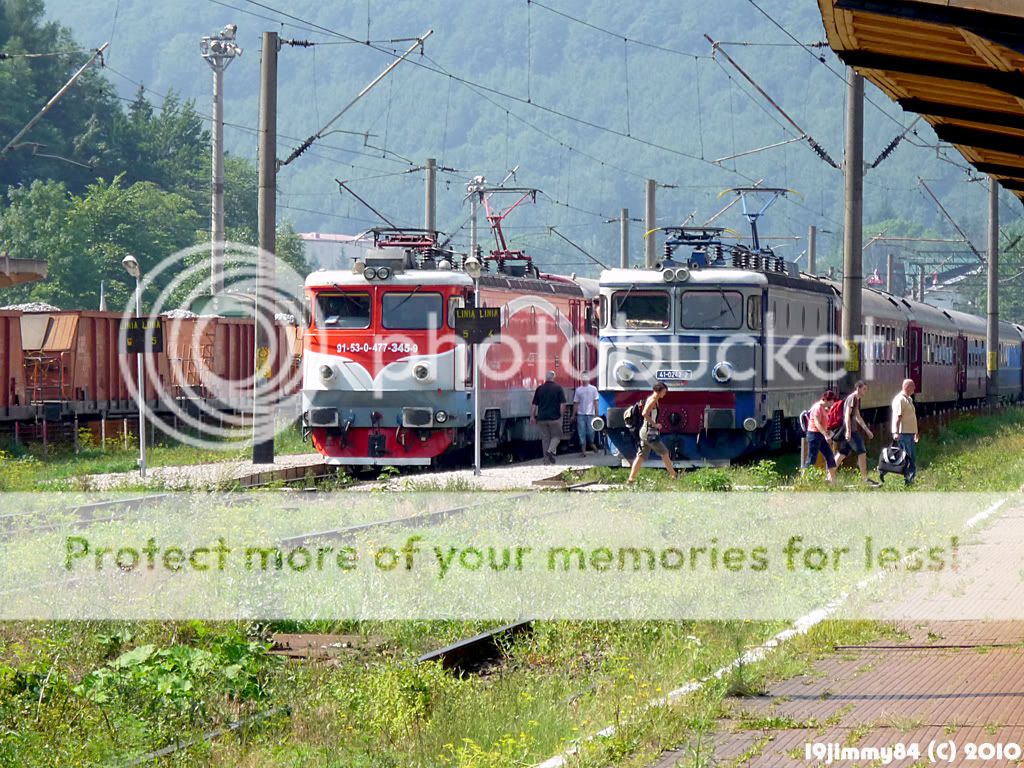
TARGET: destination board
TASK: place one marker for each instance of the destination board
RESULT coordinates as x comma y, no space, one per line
135,330
477,324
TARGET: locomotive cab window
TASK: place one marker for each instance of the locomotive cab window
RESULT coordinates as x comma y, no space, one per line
454,302
711,310
754,313
343,310
640,310
411,311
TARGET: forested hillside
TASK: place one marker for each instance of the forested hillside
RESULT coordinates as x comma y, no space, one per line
585,100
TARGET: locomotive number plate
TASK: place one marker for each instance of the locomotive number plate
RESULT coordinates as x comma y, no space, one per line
674,375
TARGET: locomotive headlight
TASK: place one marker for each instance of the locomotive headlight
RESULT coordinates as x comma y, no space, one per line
668,275
383,273
358,266
440,416
682,274
421,372
369,273
722,372
750,423
597,424
326,372
625,371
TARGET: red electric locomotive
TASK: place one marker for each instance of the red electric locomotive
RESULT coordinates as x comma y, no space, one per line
386,381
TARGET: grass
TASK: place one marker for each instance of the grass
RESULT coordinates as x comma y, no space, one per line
99,693
82,694
969,452
25,468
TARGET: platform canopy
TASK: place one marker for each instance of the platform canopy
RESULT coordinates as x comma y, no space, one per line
958,63
18,271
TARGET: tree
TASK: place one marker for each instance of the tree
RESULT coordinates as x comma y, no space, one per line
86,236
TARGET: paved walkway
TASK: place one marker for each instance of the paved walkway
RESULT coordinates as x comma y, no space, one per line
201,476
503,478
954,683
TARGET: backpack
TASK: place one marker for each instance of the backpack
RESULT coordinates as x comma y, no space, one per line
834,419
634,419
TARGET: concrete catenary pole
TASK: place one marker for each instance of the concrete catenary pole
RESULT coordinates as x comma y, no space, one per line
890,263
266,211
624,238
650,222
812,250
853,220
920,282
992,333
219,51
430,197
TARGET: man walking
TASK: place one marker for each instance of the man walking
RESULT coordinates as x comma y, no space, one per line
585,400
904,427
854,431
546,413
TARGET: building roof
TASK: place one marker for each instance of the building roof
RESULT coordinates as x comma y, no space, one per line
18,271
958,63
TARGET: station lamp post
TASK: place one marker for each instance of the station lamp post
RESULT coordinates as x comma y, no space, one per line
131,266
472,267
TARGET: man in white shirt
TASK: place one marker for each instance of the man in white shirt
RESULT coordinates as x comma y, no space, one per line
585,400
904,426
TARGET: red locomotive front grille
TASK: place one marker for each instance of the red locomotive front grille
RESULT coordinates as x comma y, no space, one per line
689,407
398,443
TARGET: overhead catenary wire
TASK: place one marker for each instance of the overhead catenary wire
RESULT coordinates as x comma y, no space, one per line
818,57
632,40
950,218
440,70
815,146
282,138
319,134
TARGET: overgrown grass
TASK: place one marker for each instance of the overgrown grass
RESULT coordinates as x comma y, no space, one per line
27,468
970,452
101,693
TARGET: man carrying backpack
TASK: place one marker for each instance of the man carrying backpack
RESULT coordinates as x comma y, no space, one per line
853,431
817,434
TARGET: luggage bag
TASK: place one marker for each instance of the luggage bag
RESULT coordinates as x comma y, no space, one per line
893,459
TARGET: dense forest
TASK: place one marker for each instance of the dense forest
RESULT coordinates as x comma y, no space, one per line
582,100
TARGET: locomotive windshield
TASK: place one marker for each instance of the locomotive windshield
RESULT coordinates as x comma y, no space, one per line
412,311
640,309
343,310
711,310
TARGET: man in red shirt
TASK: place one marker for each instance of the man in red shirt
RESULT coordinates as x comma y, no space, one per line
817,431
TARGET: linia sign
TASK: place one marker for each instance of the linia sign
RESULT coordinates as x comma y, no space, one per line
477,324
136,331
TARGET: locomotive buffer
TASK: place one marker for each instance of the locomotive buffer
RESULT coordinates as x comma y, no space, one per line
476,325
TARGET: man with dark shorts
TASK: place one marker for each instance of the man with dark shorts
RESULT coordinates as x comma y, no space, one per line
546,413
854,430
817,431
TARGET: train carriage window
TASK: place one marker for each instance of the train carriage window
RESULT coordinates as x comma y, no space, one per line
754,313
640,309
343,310
711,310
411,311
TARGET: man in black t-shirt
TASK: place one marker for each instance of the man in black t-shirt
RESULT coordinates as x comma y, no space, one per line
546,413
